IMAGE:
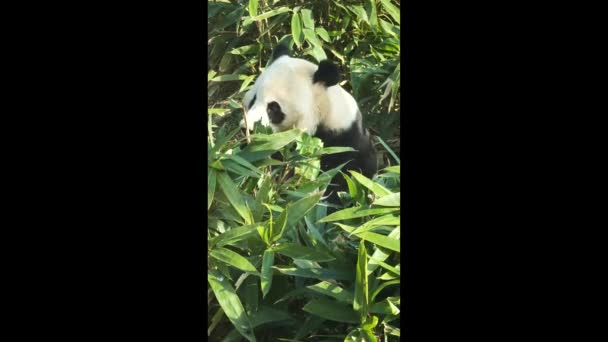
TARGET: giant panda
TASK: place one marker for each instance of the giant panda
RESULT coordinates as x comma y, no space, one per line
293,92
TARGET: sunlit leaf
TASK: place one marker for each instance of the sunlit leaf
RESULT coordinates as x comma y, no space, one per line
333,290
296,29
233,259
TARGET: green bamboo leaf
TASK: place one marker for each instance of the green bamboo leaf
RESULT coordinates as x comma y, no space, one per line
234,235
267,315
388,276
389,28
296,29
333,150
253,8
360,12
391,10
280,225
211,174
373,14
315,273
249,293
367,329
233,259
251,49
381,287
385,307
232,193
272,142
390,150
295,251
266,272
301,207
331,310
333,290
394,169
382,254
231,304
317,51
388,267
386,220
246,82
376,188
307,19
266,15
392,200
356,212
267,231
321,32
380,240
390,330
361,299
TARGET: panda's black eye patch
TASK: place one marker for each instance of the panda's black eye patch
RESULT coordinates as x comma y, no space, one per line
275,114
251,102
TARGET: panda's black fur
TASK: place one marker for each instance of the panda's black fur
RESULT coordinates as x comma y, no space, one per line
362,160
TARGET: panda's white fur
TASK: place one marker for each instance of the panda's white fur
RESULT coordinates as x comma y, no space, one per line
333,107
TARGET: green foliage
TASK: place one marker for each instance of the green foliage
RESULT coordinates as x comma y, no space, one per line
280,268
276,259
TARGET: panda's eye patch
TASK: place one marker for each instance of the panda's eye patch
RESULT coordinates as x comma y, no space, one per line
251,102
275,114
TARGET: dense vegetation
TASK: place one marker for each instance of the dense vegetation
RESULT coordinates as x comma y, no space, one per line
280,267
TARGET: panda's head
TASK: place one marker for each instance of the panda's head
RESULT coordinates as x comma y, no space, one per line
295,93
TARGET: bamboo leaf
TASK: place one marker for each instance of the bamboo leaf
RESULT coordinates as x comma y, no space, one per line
394,169
231,304
333,290
211,174
296,29
381,287
280,225
253,7
234,235
380,240
392,200
355,212
321,32
331,310
300,208
307,19
233,195
266,272
386,220
376,188
391,10
266,15
315,273
361,299
233,259
295,251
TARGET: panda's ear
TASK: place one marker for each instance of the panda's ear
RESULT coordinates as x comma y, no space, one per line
281,50
327,73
